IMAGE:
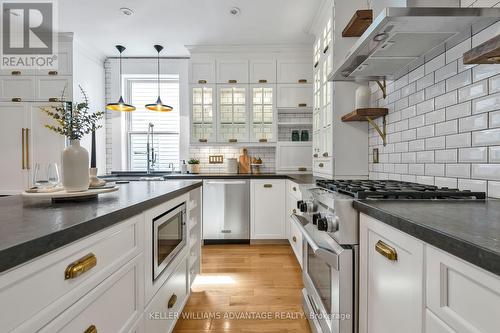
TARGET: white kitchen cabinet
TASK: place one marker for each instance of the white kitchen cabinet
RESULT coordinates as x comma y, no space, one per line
17,88
267,202
295,95
294,71
391,279
232,71
202,71
464,297
294,235
263,71
203,113
294,156
435,325
54,88
233,118
263,115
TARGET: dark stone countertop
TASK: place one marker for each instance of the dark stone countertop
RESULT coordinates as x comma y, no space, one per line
32,227
469,230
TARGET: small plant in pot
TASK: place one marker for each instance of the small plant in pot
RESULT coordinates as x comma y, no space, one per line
74,120
194,165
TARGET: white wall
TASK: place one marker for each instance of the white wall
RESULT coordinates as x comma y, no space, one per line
116,144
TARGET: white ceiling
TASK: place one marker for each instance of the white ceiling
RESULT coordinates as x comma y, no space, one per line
175,23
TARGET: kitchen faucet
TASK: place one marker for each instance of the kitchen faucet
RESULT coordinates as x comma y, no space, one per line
150,150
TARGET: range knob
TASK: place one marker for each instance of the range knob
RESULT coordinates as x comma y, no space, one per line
308,207
328,223
299,203
316,217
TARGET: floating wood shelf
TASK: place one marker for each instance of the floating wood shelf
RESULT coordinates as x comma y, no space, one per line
358,24
485,53
361,114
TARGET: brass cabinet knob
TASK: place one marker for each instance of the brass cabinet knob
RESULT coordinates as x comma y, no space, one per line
15,73
301,169
294,239
80,266
302,81
325,154
53,73
294,188
302,105
321,165
232,140
387,251
202,81
91,329
171,301
53,99
315,155
268,185
232,81
16,99
262,140
294,211
202,140
262,81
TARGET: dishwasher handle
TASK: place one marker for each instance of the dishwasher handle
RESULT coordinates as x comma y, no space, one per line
226,182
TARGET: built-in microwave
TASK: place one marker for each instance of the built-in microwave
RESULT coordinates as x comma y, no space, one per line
169,237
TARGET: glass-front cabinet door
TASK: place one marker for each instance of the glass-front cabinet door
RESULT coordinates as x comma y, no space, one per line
263,114
233,116
203,113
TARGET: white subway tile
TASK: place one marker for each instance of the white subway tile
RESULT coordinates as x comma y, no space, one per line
425,132
485,104
408,135
408,89
409,178
445,100
416,74
435,117
486,34
395,158
481,72
458,51
473,123
494,154
417,97
458,111
425,106
494,83
400,104
416,145
434,64
416,169
401,82
472,91
425,180
435,90
473,155
458,140
425,157
486,138
445,182
472,185
446,71
435,143
486,171
409,112
445,156
459,80
401,125
458,170
494,190
448,127
434,169
401,168
408,158
425,81
401,147
418,121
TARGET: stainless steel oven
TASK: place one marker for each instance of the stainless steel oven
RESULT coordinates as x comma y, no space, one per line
169,237
330,280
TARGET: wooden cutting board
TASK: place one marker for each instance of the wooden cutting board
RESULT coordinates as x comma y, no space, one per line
244,162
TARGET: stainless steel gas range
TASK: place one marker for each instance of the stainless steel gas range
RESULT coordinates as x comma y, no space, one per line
330,229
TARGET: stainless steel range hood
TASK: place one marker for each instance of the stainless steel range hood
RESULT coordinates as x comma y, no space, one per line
400,38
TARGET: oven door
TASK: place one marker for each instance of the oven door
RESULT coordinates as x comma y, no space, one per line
329,280
169,237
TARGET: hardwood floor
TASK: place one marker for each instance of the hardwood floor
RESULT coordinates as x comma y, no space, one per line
256,281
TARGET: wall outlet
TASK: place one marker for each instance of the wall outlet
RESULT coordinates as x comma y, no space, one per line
216,159
375,155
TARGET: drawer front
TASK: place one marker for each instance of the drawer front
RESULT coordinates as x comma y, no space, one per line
114,306
323,166
435,325
17,88
296,241
464,296
294,190
160,315
49,87
294,95
35,293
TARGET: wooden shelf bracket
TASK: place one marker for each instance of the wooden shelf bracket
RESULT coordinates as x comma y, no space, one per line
382,132
383,86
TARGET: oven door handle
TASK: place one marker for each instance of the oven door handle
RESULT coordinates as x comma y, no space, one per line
328,256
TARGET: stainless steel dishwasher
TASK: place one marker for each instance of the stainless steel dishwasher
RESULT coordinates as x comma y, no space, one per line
226,211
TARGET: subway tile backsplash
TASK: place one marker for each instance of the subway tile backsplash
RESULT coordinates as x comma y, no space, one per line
444,123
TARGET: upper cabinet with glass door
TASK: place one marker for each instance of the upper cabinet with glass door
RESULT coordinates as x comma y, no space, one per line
263,127
233,115
203,113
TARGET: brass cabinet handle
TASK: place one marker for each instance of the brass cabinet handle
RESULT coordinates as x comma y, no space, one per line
22,148
302,81
233,140
294,188
325,154
53,73
171,301
302,105
27,132
294,211
321,165
16,99
301,169
315,155
202,140
232,81
268,185
80,266
262,81
262,140
294,239
91,329
387,251
15,73
202,81
53,99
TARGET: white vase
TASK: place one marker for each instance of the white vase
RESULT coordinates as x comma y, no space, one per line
75,167
363,95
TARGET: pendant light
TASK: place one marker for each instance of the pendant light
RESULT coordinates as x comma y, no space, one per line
158,105
120,105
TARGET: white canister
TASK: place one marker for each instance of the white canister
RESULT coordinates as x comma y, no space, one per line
363,95
232,165
75,167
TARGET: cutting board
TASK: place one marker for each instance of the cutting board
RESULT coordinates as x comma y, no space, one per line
244,162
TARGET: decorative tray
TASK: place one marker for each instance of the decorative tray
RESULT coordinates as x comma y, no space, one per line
62,195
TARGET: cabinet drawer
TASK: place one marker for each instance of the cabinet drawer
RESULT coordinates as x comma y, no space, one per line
323,166
114,306
463,296
50,87
291,71
35,293
232,71
435,325
296,240
160,315
295,95
294,189
20,88
294,157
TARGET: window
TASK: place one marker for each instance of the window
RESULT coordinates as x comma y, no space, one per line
141,91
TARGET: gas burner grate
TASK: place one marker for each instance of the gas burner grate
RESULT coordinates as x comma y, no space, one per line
390,189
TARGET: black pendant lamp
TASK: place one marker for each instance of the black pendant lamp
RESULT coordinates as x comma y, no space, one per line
120,105
158,105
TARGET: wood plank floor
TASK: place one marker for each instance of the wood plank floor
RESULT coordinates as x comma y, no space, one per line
256,281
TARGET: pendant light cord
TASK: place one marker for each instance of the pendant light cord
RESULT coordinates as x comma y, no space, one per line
121,93
158,74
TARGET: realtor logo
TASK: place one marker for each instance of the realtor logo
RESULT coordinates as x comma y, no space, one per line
28,35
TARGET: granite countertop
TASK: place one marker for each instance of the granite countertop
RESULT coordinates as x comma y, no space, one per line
32,227
469,230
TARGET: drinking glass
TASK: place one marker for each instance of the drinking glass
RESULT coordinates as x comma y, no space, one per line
46,175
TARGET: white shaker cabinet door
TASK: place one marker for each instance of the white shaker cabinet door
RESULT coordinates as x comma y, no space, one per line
391,279
267,219
295,96
232,71
263,71
295,71
202,71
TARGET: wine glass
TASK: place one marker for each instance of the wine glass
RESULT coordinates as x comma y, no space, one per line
53,174
46,175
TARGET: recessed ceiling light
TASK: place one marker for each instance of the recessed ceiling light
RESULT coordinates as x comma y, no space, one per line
234,11
127,11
